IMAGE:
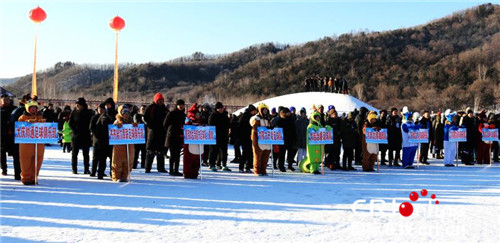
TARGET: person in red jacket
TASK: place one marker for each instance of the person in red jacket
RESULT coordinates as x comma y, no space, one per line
483,148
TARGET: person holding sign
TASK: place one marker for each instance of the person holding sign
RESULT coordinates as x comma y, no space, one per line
285,121
450,148
370,150
311,163
190,163
261,152
121,162
27,151
409,149
483,148
173,124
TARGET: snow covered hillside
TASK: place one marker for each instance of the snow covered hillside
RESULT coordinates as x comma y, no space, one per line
229,206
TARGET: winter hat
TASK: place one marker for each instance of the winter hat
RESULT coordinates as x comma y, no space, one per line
303,109
102,105
157,97
449,116
394,109
218,105
405,110
273,110
262,106
416,115
179,102
292,108
331,107
447,112
372,115
469,110
30,104
81,101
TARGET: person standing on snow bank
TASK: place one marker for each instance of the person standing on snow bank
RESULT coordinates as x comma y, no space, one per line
67,136
483,148
173,124
350,136
409,149
285,121
7,139
121,162
450,148
153,118
394,137
220,120
301,132
192,153
261,152
315,153
27,151
79,122
245,139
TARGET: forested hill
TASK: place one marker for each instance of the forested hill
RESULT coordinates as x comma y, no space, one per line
453,62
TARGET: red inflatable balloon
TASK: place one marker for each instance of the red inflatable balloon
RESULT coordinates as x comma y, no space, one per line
117,23
37,15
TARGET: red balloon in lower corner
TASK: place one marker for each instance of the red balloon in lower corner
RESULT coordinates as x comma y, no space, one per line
406,209
117,23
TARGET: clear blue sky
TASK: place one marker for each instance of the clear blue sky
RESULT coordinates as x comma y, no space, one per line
161,30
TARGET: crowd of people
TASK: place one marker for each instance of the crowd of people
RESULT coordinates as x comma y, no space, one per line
316,83
82,127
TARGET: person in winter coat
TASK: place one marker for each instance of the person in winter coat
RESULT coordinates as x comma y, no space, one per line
48,114
469,122
14,116
67,136
102,150
438,128
301,131
79,122
360,121
285,121
261,152
350,136
192,153
450,148
206,111
332,151
96,137
153,118
394,137
122,162
218,152
315,153
425,123
173,124
7,139
234,137
483,148
409,149
245,132
383,147
370,150
140,148
27,151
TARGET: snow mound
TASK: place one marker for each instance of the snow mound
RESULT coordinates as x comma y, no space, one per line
343,103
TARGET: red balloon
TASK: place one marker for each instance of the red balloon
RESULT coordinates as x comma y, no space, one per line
37,15
423,192
414,196
406,209
117,23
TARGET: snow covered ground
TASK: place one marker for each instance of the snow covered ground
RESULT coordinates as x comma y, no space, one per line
229,206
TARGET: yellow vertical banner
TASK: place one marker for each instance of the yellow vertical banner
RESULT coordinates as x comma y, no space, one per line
33,80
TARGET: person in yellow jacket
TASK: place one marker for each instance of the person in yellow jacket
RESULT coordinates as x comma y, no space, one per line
120,166
261,152
27,151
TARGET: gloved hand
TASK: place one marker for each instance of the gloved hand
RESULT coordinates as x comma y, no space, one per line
135,124
119,125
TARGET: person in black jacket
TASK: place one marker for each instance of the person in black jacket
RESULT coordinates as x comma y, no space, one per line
332,151
100,141
394,136
7,140
79,122
173,124
383,147
138,118
425,123
290,137
16,113
234,137
206,110
469,122
48,114
350,136
153,118
246,162
218,152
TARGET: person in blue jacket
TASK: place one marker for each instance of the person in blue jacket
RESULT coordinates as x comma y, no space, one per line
409,149
450,148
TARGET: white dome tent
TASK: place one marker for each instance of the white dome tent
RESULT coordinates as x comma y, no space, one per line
343,103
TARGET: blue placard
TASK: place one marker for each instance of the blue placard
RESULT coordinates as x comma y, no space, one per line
322,136
418,135
40,132
270,136
373,136
490,135
127,134
199,134
459,135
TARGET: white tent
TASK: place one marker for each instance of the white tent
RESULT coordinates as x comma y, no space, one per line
343,103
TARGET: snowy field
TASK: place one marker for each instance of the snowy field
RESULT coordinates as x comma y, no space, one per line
229,206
